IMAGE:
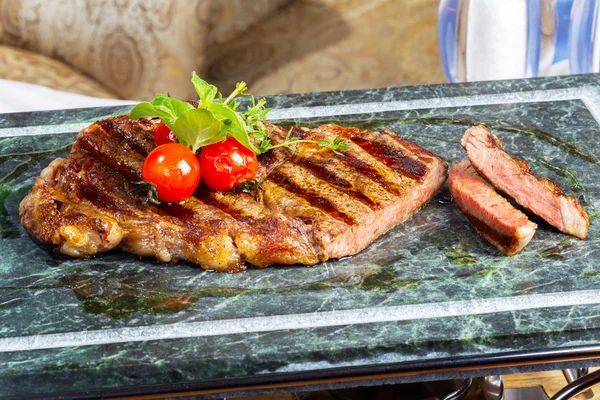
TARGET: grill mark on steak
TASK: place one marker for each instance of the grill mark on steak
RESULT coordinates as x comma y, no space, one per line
120,127
97,183
208,199
368,171
420,152
88,144
298,132
196,215
106,150
320,172
393,158
270,160
312,198
495,142
263,236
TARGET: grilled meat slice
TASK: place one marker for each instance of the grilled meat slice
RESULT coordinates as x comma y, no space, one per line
314,205
492,215
515,178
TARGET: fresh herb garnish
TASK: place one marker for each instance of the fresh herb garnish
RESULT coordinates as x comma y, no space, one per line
337,145
213,120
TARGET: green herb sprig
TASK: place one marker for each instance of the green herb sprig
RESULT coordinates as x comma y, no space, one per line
214,119
337,145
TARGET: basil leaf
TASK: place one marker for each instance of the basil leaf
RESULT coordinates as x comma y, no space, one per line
206,92
197,127
168,109
236,126
147,109
170,103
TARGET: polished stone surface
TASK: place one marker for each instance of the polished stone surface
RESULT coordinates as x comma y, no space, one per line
430,289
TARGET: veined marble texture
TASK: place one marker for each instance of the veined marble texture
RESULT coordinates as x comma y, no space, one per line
430,289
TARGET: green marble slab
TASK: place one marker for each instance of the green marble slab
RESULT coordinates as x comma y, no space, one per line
430,289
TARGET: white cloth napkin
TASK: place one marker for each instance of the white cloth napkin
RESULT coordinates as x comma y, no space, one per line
20,96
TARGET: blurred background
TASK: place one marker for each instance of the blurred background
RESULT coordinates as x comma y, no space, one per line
133,49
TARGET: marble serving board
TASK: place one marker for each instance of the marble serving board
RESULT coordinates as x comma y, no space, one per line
429,289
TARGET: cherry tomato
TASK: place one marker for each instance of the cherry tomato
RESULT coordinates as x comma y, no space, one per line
174,170
226,164
163,135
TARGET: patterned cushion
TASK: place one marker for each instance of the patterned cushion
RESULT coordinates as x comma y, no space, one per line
134,47
318,45
26,66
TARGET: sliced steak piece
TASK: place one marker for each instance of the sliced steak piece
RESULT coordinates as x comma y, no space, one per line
314,205
514,177
492,215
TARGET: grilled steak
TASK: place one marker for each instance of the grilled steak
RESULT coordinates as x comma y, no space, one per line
314,205
492,215
514,177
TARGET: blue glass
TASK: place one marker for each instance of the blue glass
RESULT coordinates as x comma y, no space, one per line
447,37
563,18
581,36
450,19
534,37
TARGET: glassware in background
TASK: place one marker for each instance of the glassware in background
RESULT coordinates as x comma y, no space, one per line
584,37
560,64
503,39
